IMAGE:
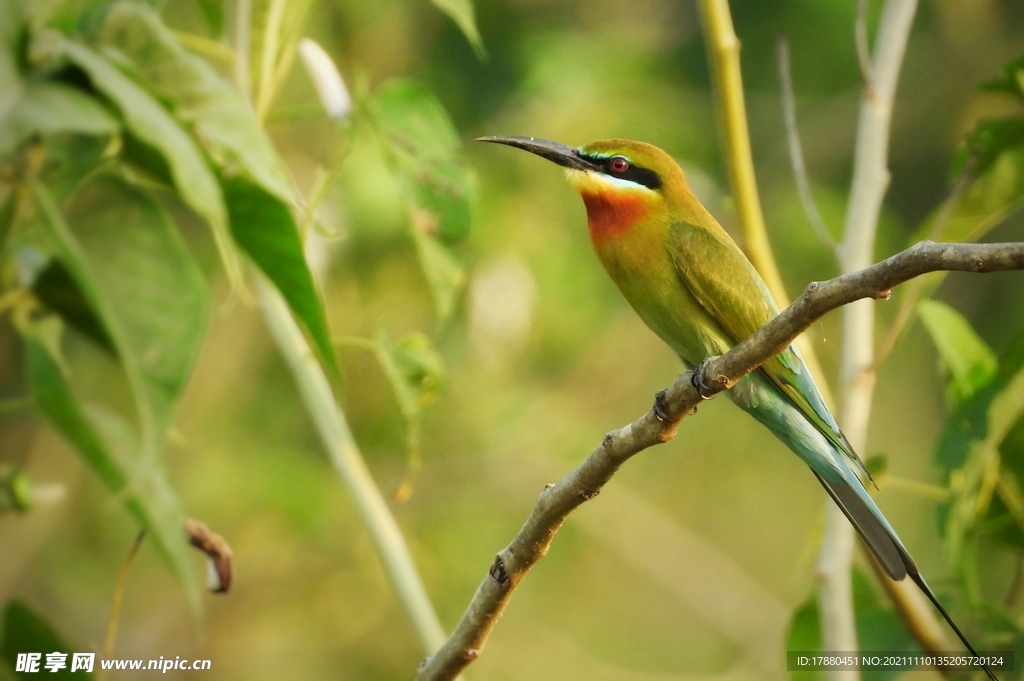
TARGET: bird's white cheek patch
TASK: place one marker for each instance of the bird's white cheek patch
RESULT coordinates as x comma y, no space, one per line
594,181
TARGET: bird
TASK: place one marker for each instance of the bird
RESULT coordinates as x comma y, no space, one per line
693,286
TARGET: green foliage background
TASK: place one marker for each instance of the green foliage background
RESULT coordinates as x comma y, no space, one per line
695,559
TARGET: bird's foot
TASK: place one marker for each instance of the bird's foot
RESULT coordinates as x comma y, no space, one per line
661,406
699,379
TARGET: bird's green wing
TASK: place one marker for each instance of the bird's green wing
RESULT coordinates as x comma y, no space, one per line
723,281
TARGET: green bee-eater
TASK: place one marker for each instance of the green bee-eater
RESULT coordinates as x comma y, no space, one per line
694,287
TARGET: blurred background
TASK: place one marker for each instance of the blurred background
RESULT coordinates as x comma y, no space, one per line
692,561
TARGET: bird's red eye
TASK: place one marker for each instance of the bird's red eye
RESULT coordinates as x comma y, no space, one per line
619,164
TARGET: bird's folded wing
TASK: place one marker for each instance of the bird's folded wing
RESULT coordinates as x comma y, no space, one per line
723,281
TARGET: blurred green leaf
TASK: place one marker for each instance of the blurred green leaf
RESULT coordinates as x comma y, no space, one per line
139,483
877,465
444,274
137,276
878,628
198,97
15,490
424,151
969,421
1011,80
265,229
44,329
968,359
461,12
413,368
989,139
26,632
986,202
995,149
213,12
47,108
972,438
153,125
55,288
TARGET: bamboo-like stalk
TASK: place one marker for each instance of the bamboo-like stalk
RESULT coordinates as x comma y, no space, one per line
724,55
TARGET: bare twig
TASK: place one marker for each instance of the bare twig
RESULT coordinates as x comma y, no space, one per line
796,153
557,501
119,587
860,36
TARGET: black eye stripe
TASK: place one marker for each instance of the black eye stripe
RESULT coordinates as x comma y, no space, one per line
633,173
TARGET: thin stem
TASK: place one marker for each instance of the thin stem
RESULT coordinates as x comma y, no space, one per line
243,18
870,183
269,53
860,36
348,462
119,587
796,153
356,342
916,487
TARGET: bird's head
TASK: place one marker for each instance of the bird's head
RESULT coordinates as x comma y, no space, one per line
621,181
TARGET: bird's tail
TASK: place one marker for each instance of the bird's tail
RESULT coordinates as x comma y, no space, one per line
887,547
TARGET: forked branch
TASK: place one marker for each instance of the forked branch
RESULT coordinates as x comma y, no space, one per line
678,401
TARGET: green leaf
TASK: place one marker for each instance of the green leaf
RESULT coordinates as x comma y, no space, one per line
130,264
140,484
444,274
1011,80
264,228
461,12
969,422
968,359
878,628
213,12
47,108
15,490
413,368
1005,518
424,152
989,139
146,119
26,632
198,97
969,447
986,202
55,288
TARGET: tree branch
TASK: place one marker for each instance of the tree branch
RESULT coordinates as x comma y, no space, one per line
557,501
796,153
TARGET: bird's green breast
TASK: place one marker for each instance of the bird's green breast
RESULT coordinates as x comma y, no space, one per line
638,261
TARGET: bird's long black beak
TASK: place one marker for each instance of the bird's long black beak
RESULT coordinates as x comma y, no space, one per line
561,154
